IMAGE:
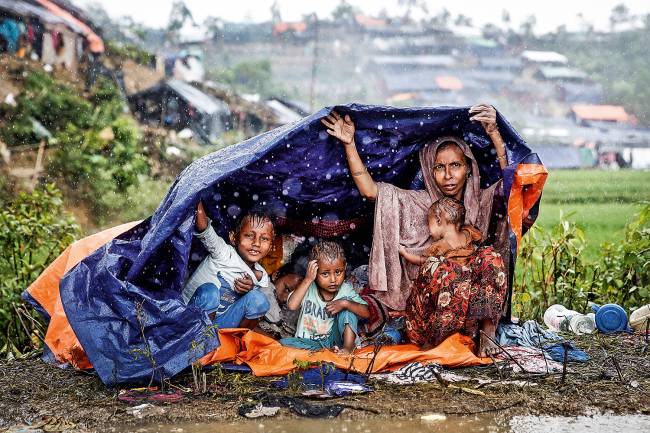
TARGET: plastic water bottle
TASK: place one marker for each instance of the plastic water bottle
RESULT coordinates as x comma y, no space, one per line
558,318
553,316
582,323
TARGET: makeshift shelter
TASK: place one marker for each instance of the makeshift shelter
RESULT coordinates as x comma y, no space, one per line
95,43
55,38
122,303
179,105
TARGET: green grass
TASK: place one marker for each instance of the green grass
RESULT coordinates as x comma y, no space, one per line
601,202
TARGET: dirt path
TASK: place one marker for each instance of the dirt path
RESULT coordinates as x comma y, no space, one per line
33,391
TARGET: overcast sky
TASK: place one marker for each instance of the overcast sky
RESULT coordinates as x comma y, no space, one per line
549,13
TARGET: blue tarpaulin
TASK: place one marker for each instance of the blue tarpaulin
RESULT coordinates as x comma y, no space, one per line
124,300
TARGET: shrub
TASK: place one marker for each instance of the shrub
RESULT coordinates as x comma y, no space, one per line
35,231
551,269
97,164
53,104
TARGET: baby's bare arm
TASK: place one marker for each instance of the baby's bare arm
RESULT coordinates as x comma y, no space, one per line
413,259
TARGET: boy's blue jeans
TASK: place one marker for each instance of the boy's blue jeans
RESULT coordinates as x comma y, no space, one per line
251,305
334,338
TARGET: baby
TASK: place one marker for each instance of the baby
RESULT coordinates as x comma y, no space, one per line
445,219
329,307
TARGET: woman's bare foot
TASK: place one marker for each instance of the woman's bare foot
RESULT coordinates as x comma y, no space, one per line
486,346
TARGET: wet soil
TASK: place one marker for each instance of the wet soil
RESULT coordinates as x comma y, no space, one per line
616,380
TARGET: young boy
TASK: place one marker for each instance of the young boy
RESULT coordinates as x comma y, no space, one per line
329,308
228,283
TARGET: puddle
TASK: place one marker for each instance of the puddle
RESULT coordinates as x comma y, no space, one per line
591,424
456,424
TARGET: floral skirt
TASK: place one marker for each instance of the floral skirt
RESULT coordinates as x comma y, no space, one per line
449,296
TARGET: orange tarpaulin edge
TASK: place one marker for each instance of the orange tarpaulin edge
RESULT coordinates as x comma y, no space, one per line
526,189
60,337
267,357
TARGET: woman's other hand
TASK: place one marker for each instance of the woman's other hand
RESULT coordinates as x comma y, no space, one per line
339,127
486,114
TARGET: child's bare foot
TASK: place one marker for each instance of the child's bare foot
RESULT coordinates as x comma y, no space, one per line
486,346
341,350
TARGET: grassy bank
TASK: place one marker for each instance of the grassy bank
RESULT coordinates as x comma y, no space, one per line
600,202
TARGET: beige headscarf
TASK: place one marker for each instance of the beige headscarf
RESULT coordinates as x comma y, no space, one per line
401,219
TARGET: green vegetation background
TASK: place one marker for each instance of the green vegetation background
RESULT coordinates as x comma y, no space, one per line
598,201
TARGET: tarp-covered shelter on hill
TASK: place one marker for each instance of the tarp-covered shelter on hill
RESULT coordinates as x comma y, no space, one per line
179,105
124,300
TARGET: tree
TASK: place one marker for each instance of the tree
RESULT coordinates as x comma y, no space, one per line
179,14
462,20
344,13
527,27
276,16
620,15
442,18
505,17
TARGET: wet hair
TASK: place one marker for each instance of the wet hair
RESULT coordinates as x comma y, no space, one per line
255,219
453,209
327,250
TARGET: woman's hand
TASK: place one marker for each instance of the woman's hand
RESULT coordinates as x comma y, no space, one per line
486,114
339,127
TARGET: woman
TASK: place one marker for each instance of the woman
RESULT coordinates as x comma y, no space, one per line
449,169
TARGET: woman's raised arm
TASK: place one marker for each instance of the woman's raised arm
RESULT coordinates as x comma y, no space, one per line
343,129
487,115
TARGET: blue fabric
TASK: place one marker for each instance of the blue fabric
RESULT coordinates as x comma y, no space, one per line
531,334
10,32
312,378
334,338
132,286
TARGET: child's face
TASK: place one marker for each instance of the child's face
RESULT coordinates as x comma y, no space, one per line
330,274
254,241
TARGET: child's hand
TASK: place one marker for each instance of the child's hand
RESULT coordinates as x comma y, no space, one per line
339,127
312,271
201,222
402,250
243,284
335,307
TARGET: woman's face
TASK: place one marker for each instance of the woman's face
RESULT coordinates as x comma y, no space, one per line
450,171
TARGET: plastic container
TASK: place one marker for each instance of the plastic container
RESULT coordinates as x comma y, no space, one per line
555,316
639,318
582,323
610,318
559,318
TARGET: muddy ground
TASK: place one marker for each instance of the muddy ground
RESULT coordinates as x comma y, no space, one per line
616,380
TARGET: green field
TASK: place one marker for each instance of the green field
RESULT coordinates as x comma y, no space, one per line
600,202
